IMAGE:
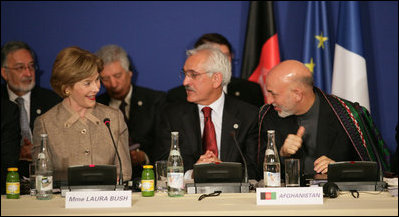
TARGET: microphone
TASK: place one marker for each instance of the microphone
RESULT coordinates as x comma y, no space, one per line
107,123
233,134
360,111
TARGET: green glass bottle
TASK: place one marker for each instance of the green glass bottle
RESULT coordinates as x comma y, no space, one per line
147,181
12,183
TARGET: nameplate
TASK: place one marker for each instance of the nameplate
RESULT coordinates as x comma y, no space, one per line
289,196
98,199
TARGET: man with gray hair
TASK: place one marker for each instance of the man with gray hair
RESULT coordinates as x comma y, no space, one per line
207,122
18,69
139,105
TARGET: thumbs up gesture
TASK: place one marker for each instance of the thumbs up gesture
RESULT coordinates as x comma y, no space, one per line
292,143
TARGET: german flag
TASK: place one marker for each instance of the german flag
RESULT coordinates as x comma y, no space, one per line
261,51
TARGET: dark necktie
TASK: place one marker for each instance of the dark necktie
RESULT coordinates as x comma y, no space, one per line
122,107
23,120
209,137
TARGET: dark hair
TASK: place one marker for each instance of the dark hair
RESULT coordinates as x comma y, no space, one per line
12,46
214,38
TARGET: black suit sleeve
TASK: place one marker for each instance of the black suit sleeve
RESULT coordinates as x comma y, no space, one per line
10,138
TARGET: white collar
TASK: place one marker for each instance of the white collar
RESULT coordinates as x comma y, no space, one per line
127,97
216,106
14,96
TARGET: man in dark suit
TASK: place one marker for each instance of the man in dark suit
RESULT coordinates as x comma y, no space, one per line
242,89
18,69
207,70
10,138
140,105
309,124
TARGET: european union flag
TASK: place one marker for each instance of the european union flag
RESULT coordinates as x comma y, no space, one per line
317,55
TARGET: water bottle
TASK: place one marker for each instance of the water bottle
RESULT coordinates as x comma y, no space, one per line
44,172
271,164
175,169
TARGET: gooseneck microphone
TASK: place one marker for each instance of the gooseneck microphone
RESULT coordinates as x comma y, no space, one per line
233,134
107,123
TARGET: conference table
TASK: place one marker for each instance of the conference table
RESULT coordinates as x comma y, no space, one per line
230,204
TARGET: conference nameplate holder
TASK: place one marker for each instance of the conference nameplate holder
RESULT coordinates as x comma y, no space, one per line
98,199
289,196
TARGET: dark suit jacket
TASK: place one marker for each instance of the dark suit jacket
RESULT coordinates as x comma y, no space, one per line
41,101
184,118
332,141
10,138
242,89
144,112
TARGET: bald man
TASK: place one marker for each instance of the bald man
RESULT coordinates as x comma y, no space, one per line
309,124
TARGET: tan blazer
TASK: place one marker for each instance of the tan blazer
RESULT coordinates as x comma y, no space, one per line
76,141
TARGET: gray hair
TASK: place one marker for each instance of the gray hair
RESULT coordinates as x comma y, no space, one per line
12,46
112,53
216,62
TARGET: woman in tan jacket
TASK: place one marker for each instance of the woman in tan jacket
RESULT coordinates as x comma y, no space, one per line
76,131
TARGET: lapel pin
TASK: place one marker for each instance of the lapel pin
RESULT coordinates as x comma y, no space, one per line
140,103
38,111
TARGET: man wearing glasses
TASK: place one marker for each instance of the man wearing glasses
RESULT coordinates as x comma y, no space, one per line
18,69
242,89
209,121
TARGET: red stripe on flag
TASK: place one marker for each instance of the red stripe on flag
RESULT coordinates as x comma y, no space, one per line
269,58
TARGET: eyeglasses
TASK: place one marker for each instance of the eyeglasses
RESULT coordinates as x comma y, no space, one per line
21,68
191,74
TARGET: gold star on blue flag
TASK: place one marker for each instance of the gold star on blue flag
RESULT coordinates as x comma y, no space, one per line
310,65
321,40
316,54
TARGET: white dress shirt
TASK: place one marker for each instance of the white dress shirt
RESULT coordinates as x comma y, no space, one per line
26,98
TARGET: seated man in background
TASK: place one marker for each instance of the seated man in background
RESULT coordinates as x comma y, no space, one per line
18,68
310,124
75,127
207,70
242,89
140,106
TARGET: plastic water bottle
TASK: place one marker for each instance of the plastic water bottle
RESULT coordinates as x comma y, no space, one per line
271,165
175,169
44,172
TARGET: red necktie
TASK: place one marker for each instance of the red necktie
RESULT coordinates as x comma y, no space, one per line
209,137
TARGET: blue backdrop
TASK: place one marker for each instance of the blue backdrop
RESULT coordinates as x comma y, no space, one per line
156,35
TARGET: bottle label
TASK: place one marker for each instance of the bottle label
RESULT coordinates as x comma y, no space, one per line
269,152
175,180
12,187
174,153
44,183
147,185
271,179
41,155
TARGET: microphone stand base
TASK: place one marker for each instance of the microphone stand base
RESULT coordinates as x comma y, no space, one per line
207,188
361,186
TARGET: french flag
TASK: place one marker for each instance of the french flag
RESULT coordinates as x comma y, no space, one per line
349,71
